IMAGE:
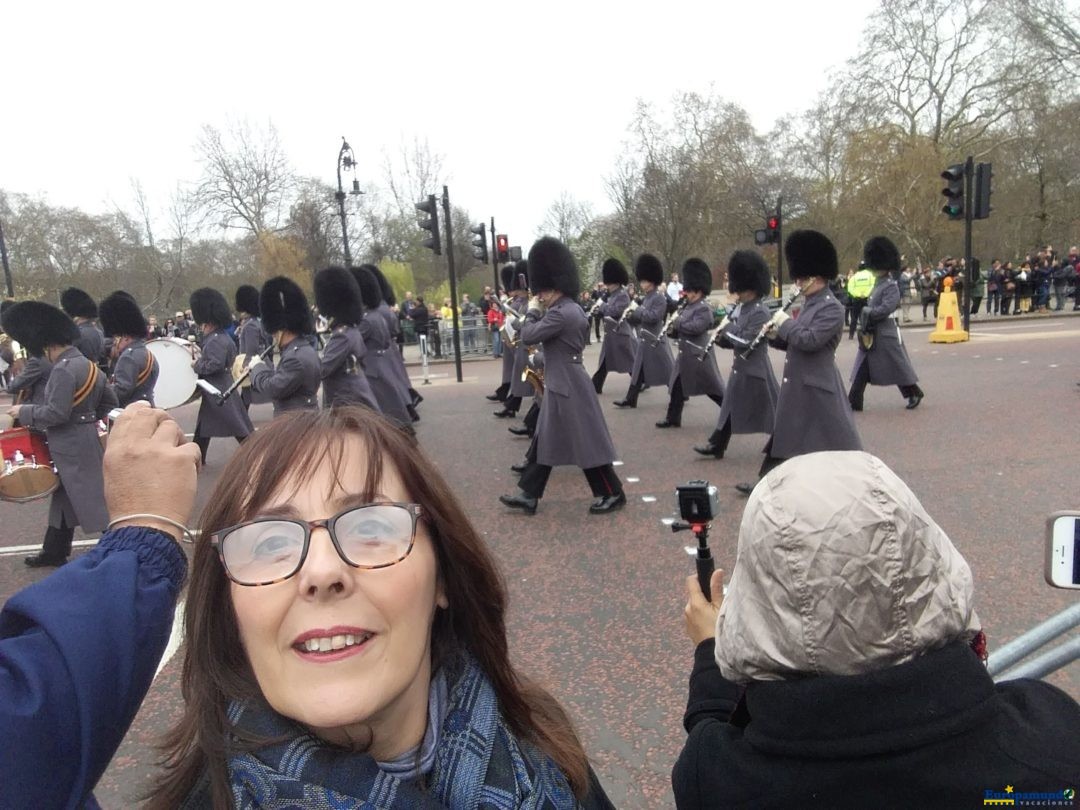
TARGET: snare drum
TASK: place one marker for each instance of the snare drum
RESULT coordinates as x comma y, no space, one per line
175,384
28,472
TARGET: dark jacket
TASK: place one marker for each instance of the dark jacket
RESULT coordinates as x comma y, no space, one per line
696,363
135,374
933,732
344,380
380,370
652,359
620,343
888,360
215,366
752,388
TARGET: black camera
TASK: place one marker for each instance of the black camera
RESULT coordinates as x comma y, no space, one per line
699,501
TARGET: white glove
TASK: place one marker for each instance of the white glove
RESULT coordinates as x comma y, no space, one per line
255,361
535,305
779,319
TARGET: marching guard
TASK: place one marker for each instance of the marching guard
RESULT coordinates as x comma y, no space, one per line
392,400
75,398
395,360
516,357
27,385
343,376
882,358
750,401
695,371
652,356
135,369
502,393
83,310
251,338
292,385
620,344
210,311
812,411
571,429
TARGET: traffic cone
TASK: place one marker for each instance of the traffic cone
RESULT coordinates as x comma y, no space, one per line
948,329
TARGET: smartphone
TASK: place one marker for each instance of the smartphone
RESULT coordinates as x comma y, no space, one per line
1063,550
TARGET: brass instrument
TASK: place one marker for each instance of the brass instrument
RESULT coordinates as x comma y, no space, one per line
532,374
508,330
866,330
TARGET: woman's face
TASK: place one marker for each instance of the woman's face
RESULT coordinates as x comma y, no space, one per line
380,684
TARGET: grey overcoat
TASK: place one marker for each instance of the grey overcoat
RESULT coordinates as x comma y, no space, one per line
252,340
652,357
752,389
696,364
518,388
394,361
812,412
130,366
379,370
74,445
344,379
91,342
509,355
32,379
571,427
888,360
293,384
620,343
215,366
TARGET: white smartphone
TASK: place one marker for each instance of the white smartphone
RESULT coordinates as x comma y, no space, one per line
1063,550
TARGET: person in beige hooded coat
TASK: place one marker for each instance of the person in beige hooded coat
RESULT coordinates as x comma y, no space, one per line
846,668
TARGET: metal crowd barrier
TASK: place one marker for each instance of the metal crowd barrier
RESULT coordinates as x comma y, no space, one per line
1019,648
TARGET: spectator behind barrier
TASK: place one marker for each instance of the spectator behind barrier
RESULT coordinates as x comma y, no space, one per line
845,666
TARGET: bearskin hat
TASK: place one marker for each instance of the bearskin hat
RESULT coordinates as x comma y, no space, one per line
521,275
648,268
370,293
747,270
696,275
614,272
247,299
508,275
810,253
120,315
285,307
385,289
880,253
77,303
209,306
552,267
337,295
36,325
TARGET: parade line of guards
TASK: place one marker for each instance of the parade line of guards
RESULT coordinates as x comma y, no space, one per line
68,384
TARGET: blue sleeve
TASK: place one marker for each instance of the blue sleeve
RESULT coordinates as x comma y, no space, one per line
78,652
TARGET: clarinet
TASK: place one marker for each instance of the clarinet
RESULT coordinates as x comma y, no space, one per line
760,336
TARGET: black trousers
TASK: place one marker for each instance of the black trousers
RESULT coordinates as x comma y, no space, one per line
532,416
596,325
770,462
721,437
602,480
636,385
599,377
862,379
857,305
57,543
678,400
975,302
203,443
926,304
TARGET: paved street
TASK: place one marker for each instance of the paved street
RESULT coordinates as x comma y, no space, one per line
596,601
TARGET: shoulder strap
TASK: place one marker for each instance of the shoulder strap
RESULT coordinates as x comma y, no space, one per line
86,387
144,375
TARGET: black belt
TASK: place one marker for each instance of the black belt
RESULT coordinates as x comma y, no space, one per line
574,358
84,418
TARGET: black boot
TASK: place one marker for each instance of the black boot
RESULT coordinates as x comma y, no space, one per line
630,400
55,548
525,503
500,393
607,503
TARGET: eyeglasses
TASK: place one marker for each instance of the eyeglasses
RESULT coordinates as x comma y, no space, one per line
271,549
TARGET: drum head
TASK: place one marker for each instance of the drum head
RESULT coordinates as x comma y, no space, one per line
175,384
28,482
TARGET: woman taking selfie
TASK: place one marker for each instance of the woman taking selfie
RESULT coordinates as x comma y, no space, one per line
346,642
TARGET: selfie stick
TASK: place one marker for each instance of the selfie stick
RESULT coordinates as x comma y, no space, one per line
704,560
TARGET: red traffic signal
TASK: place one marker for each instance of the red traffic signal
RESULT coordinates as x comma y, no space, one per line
773,223
502,247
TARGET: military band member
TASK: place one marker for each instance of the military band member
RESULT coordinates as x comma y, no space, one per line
620,344
210,311
571,428
292,385
812,411
517,357
135,370
652,357
76,397
251,338
695,372
393,324
344,380
750,400
29,371
390,396
84,311
886,361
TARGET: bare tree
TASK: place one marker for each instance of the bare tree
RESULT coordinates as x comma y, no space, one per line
1052,28
566,218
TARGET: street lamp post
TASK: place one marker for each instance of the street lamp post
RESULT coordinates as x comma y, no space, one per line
348,163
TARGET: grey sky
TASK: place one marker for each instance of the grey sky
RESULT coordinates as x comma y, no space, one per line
97,94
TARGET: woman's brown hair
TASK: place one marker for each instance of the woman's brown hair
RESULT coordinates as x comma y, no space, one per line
215,668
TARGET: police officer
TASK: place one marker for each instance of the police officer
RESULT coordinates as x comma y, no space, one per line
620,344
345,382
750,401
135,369
571,429
695,371
84,311
884,361
859,287
251,338
294,383
210,311
379,363
76,397
652,355
812,411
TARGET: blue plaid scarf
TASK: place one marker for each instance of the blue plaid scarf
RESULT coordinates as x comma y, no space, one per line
478,762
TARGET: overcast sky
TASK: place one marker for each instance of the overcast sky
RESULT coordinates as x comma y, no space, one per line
523,100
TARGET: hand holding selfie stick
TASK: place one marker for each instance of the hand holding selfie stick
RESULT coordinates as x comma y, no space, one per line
704,559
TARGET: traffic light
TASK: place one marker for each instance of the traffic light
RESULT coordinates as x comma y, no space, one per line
954,192
981,203
502,248
430,208
480,242
770,234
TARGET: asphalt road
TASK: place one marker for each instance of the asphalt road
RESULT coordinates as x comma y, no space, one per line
596,601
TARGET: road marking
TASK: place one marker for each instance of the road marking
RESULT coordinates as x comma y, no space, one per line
1024,362
995,336
176,636
1053,365
648,498
8,551
632,480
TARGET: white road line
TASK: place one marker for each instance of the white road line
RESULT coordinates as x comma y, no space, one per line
176,635
8,551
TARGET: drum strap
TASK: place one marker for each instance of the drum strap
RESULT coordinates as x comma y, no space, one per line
144,375
87,387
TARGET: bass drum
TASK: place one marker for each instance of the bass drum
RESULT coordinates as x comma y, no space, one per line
28,472
176,380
